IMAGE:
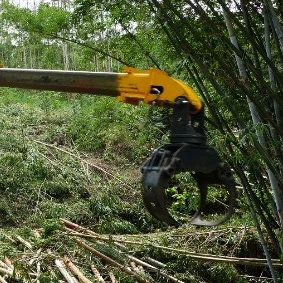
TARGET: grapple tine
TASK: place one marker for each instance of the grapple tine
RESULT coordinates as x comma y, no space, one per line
221,176
155,198
170,160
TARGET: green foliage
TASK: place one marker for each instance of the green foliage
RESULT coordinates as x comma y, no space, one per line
117,130
50,227
40,184
46,19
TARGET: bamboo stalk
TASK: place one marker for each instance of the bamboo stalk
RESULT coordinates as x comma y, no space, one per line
111,261
62,268
155,269
148,266
6,271
155,262
201,256
2,280
112,277
24,242
97,274
77,227
8,262
75,271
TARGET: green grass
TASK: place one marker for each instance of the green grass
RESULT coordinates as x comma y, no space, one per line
79,159
39,181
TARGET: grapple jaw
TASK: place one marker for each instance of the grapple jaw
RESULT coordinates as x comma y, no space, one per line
187,152
172,159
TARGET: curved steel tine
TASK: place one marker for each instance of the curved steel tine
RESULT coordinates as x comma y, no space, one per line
156,200
230,186
196,218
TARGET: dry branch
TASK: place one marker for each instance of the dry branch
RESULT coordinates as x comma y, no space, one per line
77,273
112,262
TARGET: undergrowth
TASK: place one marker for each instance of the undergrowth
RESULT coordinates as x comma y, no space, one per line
72,159
78,158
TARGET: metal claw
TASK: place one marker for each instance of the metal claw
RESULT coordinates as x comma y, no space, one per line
168,161
221,176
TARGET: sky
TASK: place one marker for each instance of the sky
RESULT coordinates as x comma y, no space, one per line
29,3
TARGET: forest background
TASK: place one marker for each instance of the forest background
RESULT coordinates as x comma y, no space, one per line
230,52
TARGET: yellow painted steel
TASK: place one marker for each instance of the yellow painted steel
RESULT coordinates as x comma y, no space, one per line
156,86
131,86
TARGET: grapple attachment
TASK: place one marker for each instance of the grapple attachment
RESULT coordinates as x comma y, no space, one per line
187,152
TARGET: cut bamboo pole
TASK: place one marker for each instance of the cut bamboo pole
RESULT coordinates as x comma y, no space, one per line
112,277
155,269
2,280
198,256
77,227
155,262
24,242
5,271
77,273
62,268
111,261
8,262
97,274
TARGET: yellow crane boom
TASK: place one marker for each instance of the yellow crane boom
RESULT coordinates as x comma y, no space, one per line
131,86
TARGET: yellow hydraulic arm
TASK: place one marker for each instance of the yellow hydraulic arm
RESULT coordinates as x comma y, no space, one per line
131,86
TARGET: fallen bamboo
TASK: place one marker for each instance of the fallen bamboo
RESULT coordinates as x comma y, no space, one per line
77,227
6,271
134,267
112,277
111,261
155,262
62,268
193,255
24,242
77,273
97,274
96,167
155,269
8,262
2,280
146,265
